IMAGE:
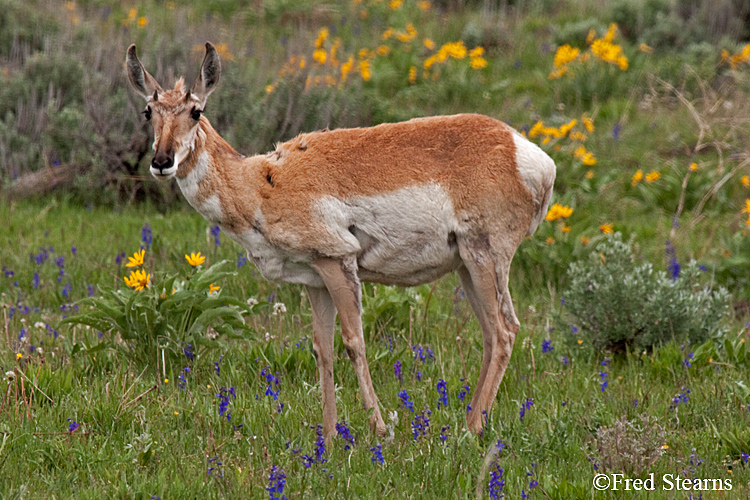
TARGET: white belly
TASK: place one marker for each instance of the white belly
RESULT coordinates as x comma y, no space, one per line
404,237
275,264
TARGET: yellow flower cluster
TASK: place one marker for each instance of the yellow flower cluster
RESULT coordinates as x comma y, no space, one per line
745,180
138,278
558,211
603,49
746,210
651,177
606,228
587,157
133,17
552,133
477,61
736,59
456,50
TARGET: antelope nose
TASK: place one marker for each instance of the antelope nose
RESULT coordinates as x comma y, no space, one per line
160,162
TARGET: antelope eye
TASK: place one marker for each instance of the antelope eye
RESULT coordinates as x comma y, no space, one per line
195,114
147,113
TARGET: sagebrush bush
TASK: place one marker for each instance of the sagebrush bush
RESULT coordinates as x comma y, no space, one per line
613,303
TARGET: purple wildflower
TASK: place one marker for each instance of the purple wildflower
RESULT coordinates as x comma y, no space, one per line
35,281
223,396
73,426
444,433
525,406
146,236
405,400
421,423
442,389
466,389
276,483
616,131
377,455
547,346
345,434
215,231
672,265
397,371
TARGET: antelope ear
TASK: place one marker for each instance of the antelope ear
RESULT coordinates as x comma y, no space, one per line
140,79
208,76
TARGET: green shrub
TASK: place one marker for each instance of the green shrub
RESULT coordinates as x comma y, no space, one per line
614,303
170,315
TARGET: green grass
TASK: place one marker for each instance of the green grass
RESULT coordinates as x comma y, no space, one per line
141,436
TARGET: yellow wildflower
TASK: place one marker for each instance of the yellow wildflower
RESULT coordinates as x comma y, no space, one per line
132,14
588,122
213,288
611,30
364,70
565,54
322,36
270,89
396,4
411,34
580,341
564,129
585,240
429,62
645,48
19,355
606,228
558,211
387,34
195,259
637,177
70,5
577,136
476,52
653,176
589,159
429,44
590,174
166,380
693,167
424,5
478,62
413,74
138,279
142,22
137,259
319,56
364,53
223,50
745,180
558,73
566,228
591,36
346,68
550,240
383,50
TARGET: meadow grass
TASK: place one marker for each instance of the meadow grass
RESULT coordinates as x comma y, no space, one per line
141,434
81,416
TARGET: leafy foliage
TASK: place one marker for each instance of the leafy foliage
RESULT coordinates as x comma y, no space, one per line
615,303
137,323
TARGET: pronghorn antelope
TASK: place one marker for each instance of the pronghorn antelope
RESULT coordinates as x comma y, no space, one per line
399,203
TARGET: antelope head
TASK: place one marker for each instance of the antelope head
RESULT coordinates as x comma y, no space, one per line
174,114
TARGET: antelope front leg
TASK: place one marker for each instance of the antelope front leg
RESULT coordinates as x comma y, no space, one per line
340,278
324,319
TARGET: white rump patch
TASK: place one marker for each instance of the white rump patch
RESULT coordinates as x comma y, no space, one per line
538,172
